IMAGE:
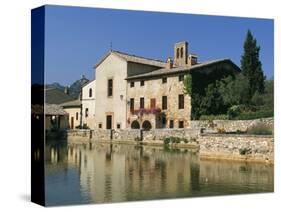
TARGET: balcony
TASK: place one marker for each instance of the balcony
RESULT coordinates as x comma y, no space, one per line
143,111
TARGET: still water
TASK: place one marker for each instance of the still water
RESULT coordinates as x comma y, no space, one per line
100,173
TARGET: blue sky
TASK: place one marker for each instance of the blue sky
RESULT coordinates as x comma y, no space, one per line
76,38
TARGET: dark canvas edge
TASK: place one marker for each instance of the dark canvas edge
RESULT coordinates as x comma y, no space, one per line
37,106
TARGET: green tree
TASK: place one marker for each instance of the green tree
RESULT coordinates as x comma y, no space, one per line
188,84
232,90
251,65
212,103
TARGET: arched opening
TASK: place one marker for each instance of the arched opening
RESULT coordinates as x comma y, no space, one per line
90,92
135,125
181,52
178,53
146,125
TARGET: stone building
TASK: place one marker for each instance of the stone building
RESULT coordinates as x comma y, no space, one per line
137,92
111,86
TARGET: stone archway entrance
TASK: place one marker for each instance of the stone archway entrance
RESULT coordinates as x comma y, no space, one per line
146,125
135,125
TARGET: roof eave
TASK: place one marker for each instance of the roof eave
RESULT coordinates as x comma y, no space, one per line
106,56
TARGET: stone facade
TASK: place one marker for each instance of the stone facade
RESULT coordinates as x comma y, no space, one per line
155,89
89,104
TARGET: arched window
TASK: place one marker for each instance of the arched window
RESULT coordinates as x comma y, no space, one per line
181,52
90,92
135,125
146,125
178,52
86,112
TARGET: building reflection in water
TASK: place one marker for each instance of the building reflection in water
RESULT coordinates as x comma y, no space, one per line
113,173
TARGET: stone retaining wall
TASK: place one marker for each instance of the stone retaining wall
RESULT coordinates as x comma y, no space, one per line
133,134
160,134
237,147
212,146
125,135
231,125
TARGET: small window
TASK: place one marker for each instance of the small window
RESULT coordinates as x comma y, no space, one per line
118,126
181,52
152,103
164,102
181,124
178,52
141,102
100,125
181,77
164,80
90,92
132,104
86,112
77,115
110,87
132,84
164,121
142,83
181,101
171,125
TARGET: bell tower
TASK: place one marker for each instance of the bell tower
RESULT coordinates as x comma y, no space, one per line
181,53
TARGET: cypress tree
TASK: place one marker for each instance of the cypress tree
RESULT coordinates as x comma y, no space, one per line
251,65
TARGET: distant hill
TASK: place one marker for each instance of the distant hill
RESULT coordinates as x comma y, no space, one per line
56,85
74,88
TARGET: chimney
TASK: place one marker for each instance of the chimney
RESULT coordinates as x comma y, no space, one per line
169,63
192,59
66,90
180,53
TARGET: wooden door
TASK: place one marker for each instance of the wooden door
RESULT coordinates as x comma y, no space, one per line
152,103
72,123
108,122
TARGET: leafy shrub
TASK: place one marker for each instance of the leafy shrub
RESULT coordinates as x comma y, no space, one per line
221,130
85,126
259,129
233,111
174,140
214,117
137,138
166,140
255,114
185,140
245,151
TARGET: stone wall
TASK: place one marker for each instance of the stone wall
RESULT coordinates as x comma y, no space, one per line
231,125
237,147
132,134
160,134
